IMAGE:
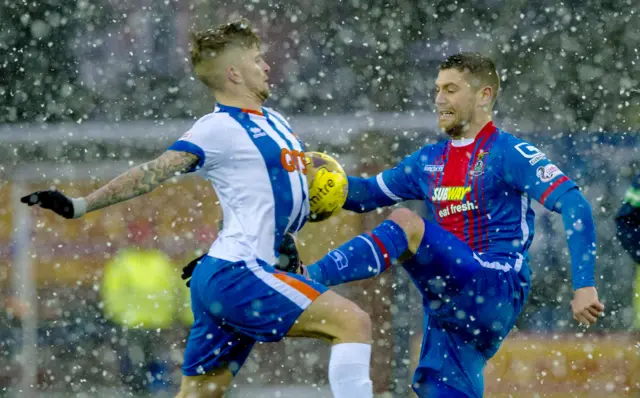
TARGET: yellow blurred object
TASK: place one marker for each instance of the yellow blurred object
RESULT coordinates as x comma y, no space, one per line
139,289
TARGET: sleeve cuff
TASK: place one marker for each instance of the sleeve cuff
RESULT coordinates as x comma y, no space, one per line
79,207
583,283
189,147
549,198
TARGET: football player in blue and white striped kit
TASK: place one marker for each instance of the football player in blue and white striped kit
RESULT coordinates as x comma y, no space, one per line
256,165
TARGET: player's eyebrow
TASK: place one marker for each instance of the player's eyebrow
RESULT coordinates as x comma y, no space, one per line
446,85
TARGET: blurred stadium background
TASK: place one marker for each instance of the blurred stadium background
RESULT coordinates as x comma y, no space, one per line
89,88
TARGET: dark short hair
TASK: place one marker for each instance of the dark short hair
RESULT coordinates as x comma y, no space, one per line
477,65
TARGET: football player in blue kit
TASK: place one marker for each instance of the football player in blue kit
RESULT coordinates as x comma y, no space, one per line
470,263
256,166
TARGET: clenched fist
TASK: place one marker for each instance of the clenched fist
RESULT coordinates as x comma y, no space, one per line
585,305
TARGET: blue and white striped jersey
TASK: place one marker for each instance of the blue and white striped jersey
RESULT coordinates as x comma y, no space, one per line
256,165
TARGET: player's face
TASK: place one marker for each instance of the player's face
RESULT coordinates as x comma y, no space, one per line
455,101
255,73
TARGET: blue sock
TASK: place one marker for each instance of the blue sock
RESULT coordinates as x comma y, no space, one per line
362,257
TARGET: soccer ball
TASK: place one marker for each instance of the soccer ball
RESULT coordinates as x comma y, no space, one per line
328,185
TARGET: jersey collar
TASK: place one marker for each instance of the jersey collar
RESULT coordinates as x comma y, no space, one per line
488,129
233,109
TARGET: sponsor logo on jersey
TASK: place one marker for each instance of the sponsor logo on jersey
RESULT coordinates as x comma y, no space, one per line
257,132
478,168
444,194
548,172
453,208
434,168
530,152
339,258
293,160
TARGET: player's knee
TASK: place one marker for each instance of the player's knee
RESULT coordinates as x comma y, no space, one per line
412,225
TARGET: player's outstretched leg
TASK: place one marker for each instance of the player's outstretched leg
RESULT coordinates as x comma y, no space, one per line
431,251
370,254
341,322
236,304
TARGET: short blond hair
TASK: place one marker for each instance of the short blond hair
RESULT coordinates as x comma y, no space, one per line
209,44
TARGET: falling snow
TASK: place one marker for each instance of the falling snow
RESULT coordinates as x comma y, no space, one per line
90,88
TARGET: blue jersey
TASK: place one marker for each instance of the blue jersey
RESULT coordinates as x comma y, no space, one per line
480,190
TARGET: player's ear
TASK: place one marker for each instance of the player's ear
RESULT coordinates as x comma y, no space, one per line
234,75
485,95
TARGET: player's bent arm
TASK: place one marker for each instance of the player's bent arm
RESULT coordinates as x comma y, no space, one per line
580,230
140,179
365,195
387,188
581,237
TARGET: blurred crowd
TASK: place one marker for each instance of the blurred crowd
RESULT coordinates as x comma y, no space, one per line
565,65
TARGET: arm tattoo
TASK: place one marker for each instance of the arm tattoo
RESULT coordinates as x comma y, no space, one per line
141,179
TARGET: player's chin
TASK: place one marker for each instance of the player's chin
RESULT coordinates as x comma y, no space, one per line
450,128
264,94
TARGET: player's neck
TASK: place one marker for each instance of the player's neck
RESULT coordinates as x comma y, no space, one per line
471,130
239,101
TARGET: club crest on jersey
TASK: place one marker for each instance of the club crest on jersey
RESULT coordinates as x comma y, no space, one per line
257,132
444,194
478,168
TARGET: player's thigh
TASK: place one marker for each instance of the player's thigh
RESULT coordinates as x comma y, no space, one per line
211,385
255,299
333,318
486,309
213,344
443,264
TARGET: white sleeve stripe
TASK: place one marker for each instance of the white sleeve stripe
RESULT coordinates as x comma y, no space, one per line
524,206
386,189
375,254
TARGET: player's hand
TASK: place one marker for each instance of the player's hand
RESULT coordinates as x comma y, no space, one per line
289,260
57,202
187,271
585,305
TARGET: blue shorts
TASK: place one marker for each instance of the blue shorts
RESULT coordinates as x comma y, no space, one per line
236,304
471,302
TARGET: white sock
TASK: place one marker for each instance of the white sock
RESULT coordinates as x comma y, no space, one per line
349,371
